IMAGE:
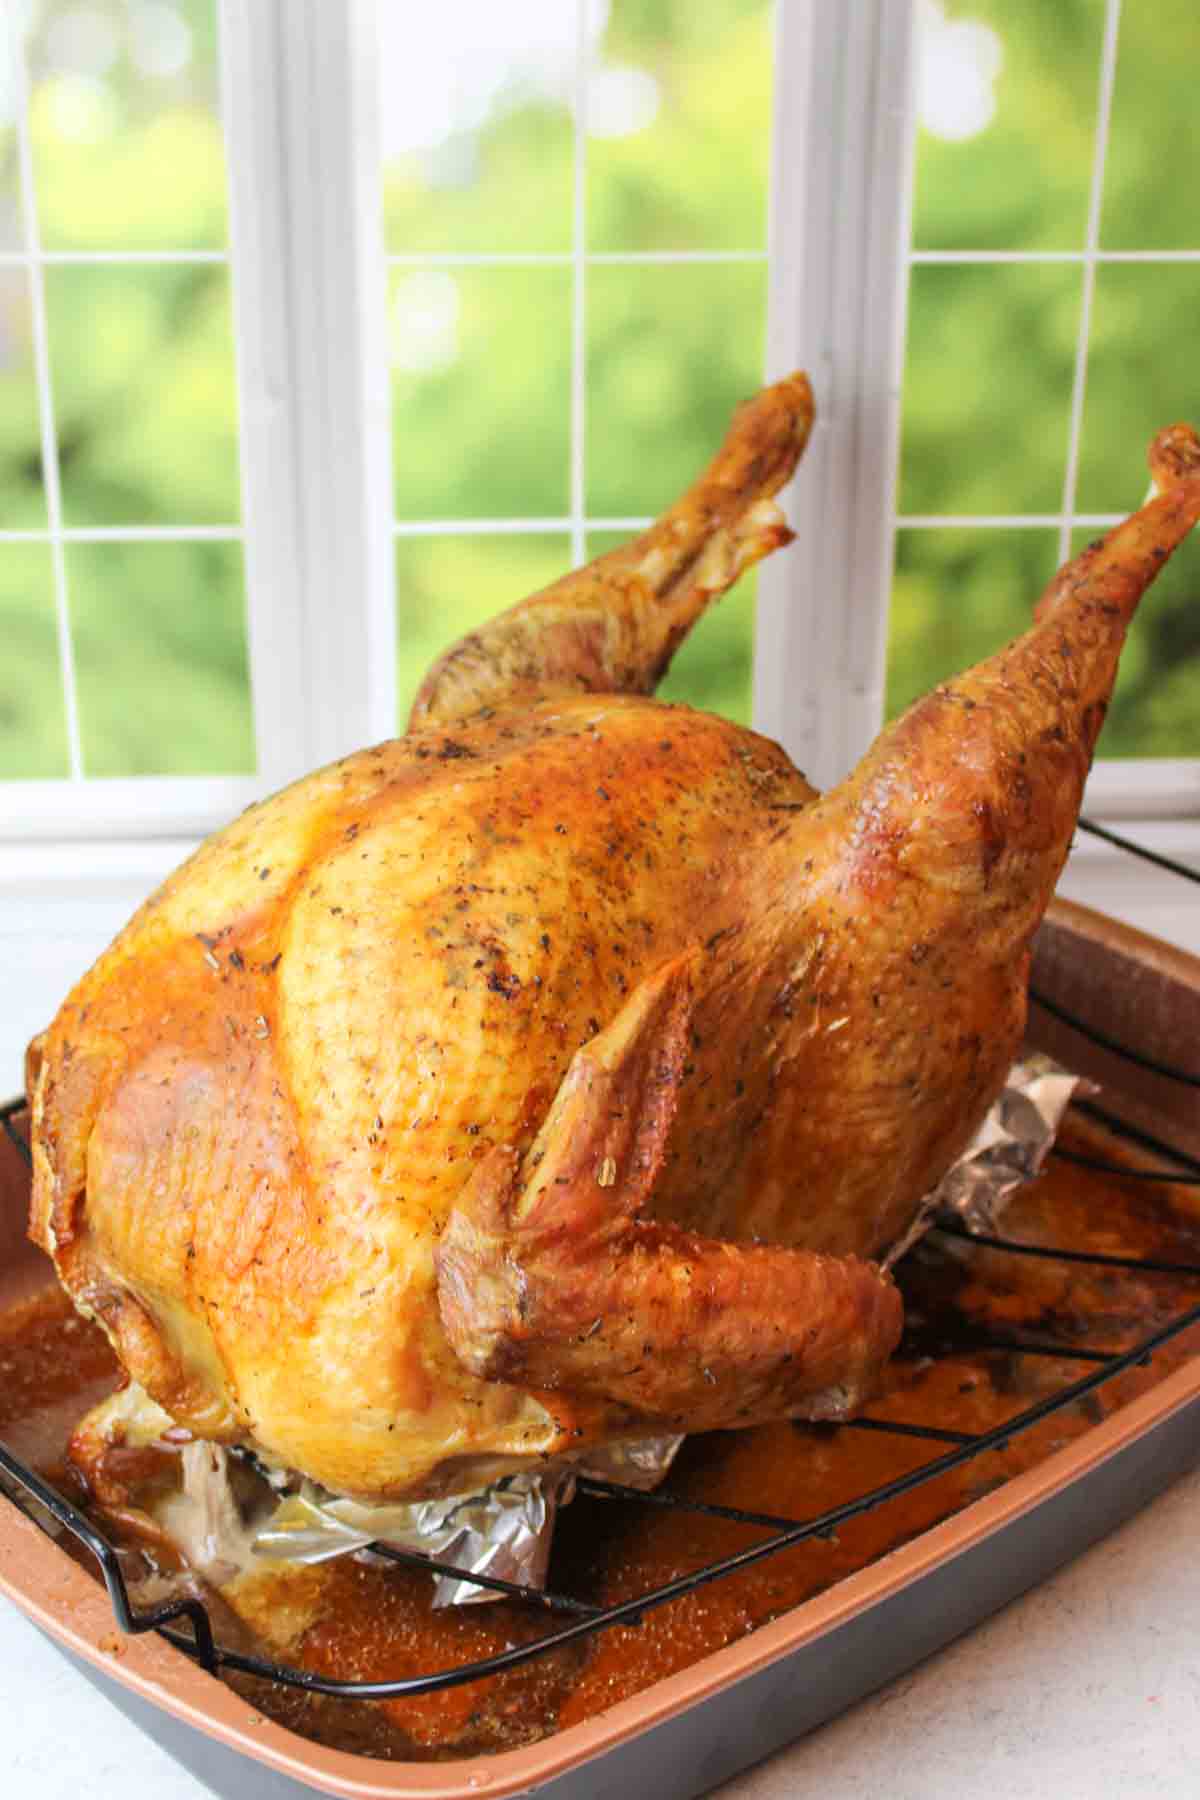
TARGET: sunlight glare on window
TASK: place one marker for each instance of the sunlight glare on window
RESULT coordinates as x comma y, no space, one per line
476,60
82,42
78,108
425,311
125,126
160,41
476,109
621,101
959,63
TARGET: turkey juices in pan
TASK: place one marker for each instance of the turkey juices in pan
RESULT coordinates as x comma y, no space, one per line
546,1077
967,1308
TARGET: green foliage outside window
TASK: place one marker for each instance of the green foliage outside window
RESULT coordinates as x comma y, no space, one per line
130,158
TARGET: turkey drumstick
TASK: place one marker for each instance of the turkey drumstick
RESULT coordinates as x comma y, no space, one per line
613,626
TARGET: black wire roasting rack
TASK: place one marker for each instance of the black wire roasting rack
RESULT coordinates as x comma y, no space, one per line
579,1617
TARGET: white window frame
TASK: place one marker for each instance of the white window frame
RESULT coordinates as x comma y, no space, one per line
306,223
840,207
300,109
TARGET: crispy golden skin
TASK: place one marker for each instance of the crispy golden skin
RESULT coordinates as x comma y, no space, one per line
297,1139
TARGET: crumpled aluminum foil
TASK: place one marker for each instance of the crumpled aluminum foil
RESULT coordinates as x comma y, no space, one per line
1008,1150
506,1530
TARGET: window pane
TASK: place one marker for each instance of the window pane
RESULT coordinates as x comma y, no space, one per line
478,137
144,393
679,126
159,632
987,387
958,596
33,726
1142,375
447,586
1149,202
481,392
714,666
125,127
1006,102
1154,710
671,350
11,234
22,495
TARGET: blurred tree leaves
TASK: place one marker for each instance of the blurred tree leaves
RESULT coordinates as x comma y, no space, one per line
1022,182
33,725
985,423
694,176
22,499
169,620
991,348
124,120
1154,140
145,399
670,352
128,156
481,413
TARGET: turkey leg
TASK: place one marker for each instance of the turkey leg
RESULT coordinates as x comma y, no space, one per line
916,888
548,1276
613,626
975,790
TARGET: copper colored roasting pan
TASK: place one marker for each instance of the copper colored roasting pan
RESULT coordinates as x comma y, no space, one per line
698,1728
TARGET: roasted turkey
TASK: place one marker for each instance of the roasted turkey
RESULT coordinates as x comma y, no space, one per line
548,1076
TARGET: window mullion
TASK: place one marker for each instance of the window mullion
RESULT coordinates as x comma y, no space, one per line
306,233
12,50
841,182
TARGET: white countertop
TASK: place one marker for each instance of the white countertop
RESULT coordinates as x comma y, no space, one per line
1089,1686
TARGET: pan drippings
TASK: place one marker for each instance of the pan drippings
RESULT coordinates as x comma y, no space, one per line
981,1326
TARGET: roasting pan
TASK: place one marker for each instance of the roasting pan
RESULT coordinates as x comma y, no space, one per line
1135,1003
